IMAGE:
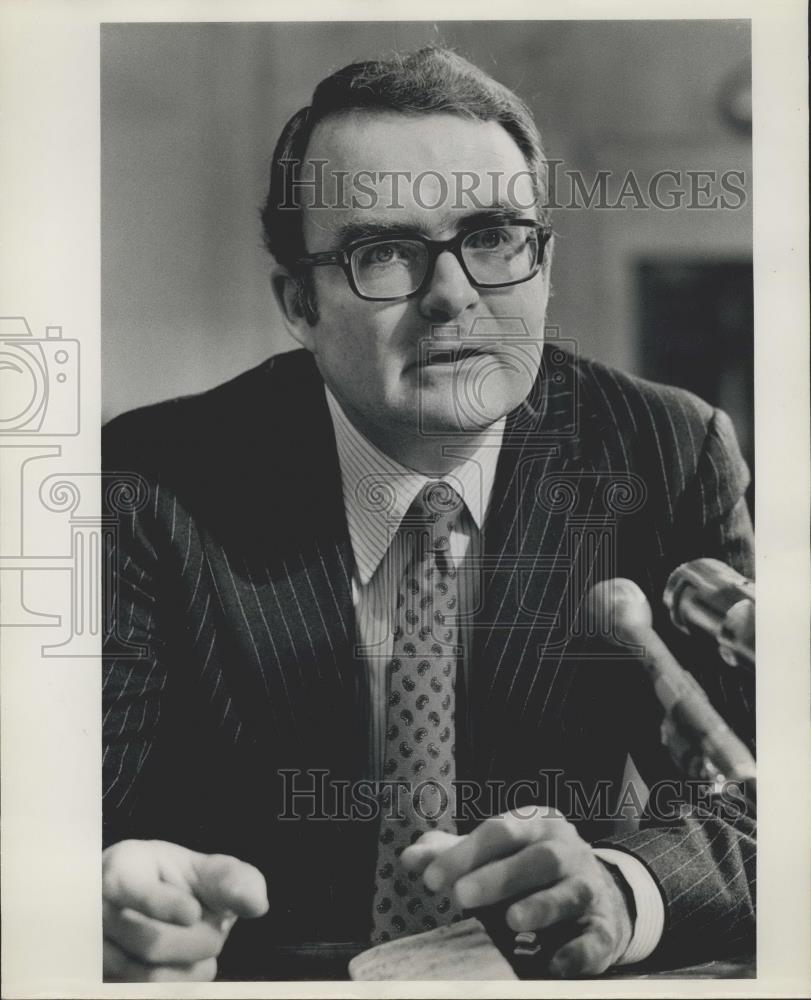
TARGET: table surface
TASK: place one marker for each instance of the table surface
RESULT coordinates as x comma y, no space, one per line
329,961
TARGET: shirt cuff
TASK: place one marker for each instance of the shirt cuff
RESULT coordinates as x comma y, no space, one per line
650,908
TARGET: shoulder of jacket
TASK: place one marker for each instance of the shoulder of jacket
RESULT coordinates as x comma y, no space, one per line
225,415
614,402
603,386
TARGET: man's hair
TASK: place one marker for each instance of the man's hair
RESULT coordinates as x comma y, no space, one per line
431,80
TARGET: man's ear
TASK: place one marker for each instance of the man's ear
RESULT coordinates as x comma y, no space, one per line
292,299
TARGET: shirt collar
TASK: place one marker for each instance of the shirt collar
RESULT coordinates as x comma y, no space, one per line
378,491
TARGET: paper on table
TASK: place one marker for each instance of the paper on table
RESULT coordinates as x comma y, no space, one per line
460,951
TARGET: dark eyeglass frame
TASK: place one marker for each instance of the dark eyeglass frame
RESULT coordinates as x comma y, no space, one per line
342,258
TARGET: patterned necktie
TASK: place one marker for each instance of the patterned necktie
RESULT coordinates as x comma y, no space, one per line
420,735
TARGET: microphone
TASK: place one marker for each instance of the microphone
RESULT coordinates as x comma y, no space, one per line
708,596
698,737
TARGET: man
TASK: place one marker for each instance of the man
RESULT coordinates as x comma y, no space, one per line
367,560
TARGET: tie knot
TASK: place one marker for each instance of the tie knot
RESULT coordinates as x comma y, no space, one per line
437,507
438,500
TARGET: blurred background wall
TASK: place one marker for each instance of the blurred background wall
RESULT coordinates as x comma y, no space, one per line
191,112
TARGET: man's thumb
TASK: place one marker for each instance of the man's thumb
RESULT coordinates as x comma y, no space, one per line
228,885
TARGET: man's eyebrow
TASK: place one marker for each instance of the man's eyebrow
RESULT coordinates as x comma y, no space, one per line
496,213
351,231
358,230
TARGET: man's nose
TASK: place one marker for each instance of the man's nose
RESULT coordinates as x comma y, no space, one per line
449,292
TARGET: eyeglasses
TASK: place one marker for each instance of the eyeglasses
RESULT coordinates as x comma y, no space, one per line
401,266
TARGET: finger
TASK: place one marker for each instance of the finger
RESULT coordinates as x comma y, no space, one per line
418,856
567,900
494,838
587,955
534,867
130,878
157,943
121,968
227,885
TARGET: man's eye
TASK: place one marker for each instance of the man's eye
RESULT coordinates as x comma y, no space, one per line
490,239
382,255
386,253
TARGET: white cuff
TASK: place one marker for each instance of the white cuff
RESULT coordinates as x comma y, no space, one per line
650,907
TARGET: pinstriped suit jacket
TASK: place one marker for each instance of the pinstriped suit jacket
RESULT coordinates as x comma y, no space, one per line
233,579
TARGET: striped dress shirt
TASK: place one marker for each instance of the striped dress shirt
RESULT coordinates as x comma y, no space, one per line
377,493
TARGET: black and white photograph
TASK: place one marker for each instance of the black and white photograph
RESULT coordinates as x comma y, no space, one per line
412,579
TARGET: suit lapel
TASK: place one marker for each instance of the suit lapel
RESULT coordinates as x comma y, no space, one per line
529,550
282,562
523,585
563,487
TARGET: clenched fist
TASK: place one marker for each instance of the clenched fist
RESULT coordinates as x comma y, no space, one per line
535,858
167,911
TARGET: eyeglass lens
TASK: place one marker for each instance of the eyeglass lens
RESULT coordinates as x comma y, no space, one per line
496,256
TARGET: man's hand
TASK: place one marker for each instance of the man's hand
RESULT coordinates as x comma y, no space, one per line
535,858
168,910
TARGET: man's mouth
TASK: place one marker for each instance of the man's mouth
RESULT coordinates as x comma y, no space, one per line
453,355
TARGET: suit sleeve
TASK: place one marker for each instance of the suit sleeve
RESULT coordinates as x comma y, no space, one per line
701,850
712,517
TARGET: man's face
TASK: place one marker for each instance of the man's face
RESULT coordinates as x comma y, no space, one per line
369,352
